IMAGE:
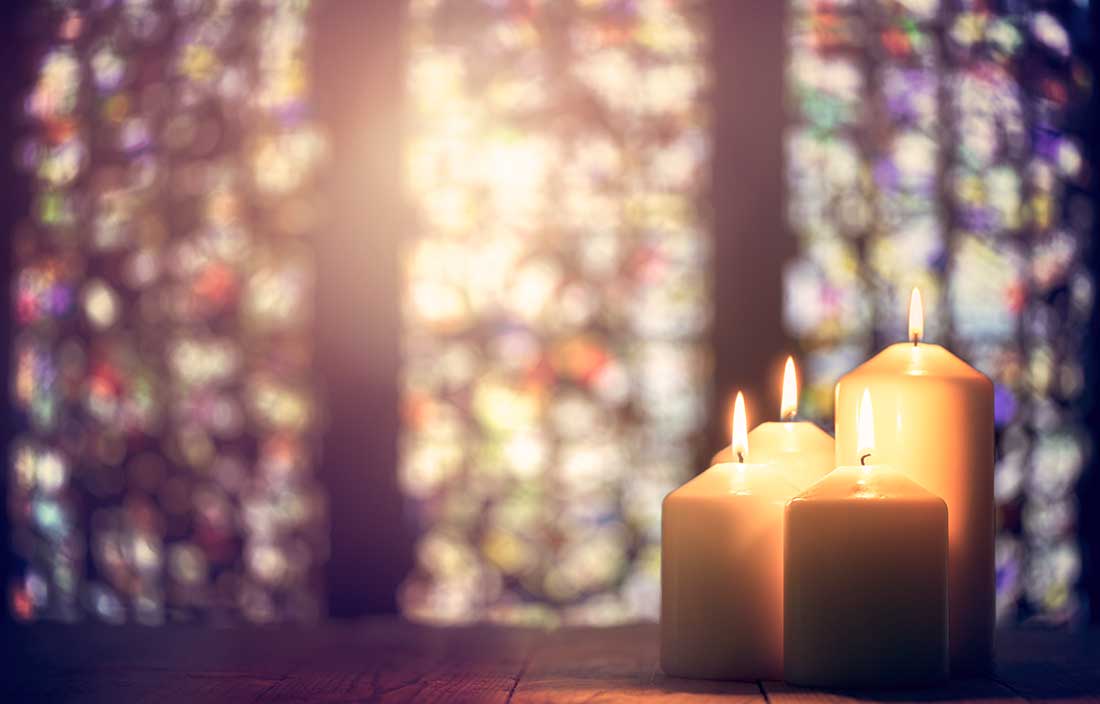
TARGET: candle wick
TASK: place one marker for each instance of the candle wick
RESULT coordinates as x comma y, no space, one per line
740,457
863,459
916,339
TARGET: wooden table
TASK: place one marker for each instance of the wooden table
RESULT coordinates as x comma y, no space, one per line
388,660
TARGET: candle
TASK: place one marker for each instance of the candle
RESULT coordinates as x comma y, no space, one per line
721,569
865,565
803,451
934,417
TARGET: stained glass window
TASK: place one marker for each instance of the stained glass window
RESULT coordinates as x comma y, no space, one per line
939,145
556,301
163,470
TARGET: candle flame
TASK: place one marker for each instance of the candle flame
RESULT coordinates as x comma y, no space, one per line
916,316
788,407
740,444
865,427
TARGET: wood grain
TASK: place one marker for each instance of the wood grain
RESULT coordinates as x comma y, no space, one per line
391,661
614,665
966,690
1051,666
410,664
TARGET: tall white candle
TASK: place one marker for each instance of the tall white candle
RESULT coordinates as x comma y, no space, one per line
934,422
721,569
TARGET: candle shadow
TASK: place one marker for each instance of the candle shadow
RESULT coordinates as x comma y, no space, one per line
665,684
952,690
1031,665
1028,682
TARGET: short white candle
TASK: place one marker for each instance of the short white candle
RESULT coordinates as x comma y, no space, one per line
865,562
800,449
722,571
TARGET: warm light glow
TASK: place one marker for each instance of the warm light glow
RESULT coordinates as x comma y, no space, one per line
788,406
916,317
865,427
740,444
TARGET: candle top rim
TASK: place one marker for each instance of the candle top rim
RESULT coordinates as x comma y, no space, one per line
925,359
745,465
863,482
792,423
810,435
786,432
723,481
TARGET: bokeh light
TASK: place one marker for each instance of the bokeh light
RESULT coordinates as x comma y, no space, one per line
164,467
557,301
937,145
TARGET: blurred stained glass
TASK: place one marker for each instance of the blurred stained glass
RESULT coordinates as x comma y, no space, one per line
938,145
556,301
163,469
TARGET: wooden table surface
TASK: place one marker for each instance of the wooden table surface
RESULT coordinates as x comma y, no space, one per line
388,660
